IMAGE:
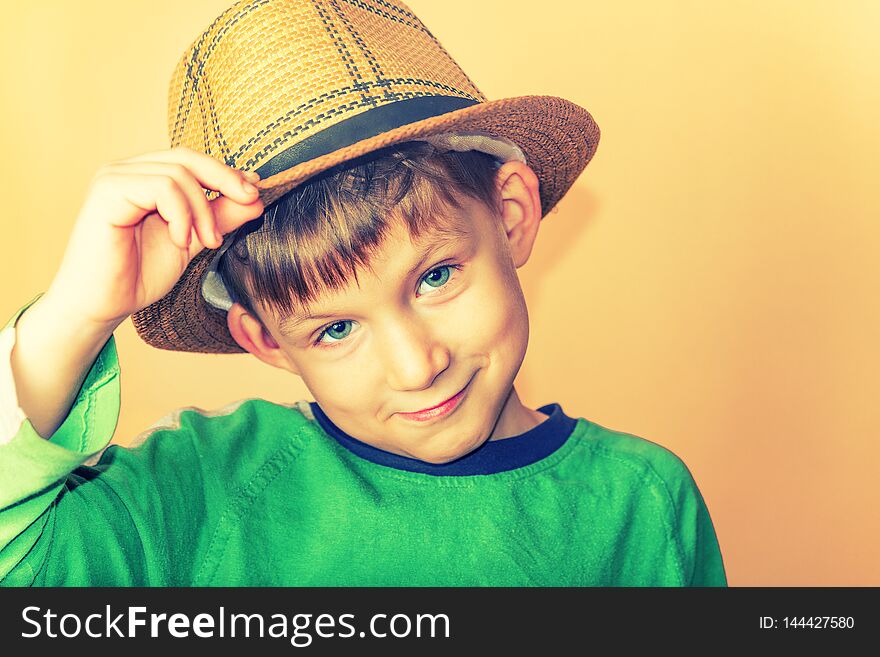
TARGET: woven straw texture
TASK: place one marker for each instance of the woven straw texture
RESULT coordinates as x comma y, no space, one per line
268,75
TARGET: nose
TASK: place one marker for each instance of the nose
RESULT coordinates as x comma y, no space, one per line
414,355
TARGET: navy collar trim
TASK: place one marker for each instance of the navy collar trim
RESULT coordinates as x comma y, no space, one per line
489,458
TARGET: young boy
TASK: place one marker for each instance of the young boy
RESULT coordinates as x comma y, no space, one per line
378,262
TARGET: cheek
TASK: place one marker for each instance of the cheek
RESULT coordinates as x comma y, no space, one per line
497,316
339,387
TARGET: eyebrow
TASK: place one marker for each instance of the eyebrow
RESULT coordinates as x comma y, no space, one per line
440,240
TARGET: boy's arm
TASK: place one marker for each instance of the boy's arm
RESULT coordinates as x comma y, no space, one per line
52,352
143,221
142,516
33,469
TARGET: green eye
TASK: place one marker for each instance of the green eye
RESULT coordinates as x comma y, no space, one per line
336,331
438,277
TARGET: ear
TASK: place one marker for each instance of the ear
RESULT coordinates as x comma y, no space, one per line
252,336
520,208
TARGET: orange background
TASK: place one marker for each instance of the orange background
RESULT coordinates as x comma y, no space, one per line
708,284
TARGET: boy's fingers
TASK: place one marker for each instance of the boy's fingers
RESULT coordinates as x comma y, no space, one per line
124,200
231,215
202,216
209,171
173,206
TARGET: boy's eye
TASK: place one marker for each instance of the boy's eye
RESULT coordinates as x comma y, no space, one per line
438,277
337,331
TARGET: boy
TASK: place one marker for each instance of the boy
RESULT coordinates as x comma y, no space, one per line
395,204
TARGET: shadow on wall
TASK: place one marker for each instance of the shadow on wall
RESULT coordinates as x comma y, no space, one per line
562,230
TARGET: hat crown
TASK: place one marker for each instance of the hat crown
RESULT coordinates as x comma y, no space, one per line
267,75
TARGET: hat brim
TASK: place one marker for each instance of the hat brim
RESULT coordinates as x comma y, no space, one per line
558,138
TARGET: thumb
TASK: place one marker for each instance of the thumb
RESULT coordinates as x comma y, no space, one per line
230,214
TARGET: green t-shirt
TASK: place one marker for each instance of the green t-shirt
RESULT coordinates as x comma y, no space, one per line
259,493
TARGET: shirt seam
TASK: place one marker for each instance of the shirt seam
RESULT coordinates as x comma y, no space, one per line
678,551
239,502
104,376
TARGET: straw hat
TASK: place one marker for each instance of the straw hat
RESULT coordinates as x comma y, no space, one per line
290,88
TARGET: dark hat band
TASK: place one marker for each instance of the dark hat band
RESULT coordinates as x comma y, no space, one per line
362,126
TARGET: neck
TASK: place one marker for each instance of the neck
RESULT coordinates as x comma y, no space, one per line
515,418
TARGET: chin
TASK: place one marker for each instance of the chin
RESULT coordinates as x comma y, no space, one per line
449,455
443,460
436,460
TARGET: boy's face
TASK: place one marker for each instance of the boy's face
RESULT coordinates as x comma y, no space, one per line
433,321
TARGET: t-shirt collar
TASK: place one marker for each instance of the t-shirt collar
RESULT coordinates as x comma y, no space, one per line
491,457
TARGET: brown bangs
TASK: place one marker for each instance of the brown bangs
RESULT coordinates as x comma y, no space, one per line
318,236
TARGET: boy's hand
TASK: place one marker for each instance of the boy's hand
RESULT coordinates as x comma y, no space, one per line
144,219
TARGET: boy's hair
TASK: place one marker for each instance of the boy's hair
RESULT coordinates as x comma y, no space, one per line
316,237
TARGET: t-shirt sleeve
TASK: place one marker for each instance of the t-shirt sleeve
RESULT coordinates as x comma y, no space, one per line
701,555
77,512
33,470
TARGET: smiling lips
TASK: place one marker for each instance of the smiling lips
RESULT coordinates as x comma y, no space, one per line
436,411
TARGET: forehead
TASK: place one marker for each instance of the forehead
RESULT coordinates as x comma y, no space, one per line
443,227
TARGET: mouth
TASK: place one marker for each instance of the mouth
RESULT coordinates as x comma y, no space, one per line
441,409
